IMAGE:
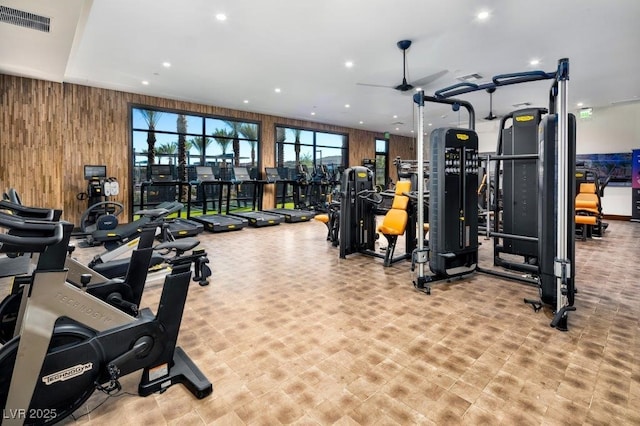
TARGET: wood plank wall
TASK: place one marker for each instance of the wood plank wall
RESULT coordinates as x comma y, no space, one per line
31,139
49,130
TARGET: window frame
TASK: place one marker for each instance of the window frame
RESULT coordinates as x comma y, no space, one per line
202,158
315,146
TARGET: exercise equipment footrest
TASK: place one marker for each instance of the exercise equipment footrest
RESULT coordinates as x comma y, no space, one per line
183,371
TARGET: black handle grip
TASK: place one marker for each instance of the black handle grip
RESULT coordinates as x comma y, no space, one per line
32,212
53,232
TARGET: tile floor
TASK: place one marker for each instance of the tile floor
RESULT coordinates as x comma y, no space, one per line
288,333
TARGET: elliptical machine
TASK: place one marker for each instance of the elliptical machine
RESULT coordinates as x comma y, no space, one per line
54,365
101,213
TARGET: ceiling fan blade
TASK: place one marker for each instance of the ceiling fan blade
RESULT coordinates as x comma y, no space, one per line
429,79
374,85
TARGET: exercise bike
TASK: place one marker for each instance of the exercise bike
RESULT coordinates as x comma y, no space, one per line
111,264
72,343
125,294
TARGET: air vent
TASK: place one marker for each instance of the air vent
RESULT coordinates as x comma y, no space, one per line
398,123
522,104
24,19
470,78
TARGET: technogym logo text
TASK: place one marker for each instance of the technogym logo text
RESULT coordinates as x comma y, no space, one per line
81,307
68,373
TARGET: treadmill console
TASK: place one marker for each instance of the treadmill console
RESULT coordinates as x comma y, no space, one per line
204,173
272,174
241,174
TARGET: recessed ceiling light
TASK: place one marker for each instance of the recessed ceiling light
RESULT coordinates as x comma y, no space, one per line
145,82
397,128
166,64
246,101
361,122
395,116
483,15
412,131
347,105
418,89
580,104
221,17
313,113
277,90
348,64
430,124
534,62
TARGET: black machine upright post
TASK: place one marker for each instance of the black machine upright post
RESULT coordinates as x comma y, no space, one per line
562,167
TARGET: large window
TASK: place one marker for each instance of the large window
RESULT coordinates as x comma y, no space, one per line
218,142
309,149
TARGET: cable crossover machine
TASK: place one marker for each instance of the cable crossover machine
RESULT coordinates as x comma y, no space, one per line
453,209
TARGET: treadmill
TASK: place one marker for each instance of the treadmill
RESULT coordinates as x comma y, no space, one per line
207,185
164,188
290,215
256,218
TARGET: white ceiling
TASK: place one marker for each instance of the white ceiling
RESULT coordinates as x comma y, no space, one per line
301,47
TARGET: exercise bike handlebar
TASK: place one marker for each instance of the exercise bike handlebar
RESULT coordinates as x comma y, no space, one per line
32,235
30,212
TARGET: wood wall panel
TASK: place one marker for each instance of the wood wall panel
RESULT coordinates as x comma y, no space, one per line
97,133
50,130
30,140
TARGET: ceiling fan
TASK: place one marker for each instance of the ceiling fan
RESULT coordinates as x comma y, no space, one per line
406,86
491,115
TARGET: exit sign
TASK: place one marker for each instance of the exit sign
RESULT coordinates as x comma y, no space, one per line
586,113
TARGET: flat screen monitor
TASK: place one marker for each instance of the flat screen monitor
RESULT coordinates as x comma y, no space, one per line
93,171
161,170
272,174
204,173
241,174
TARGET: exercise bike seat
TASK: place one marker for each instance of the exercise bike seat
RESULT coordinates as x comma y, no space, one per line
181,245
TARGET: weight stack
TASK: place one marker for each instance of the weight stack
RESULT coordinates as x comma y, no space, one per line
453,202
547,213
520,182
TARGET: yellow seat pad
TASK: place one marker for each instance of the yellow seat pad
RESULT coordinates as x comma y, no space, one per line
394,222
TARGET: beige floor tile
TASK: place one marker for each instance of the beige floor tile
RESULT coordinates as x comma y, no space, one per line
288,333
